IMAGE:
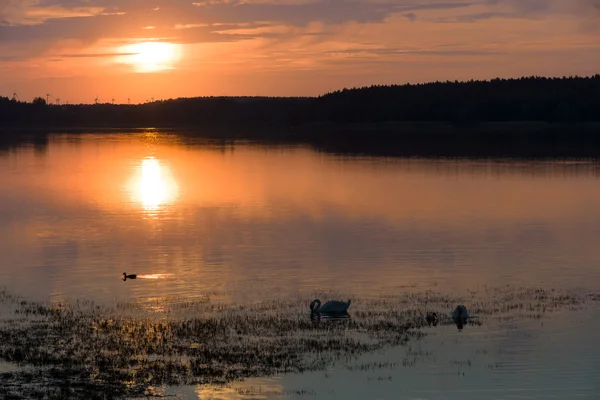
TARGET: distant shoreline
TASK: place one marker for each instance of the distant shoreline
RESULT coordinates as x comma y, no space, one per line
442,105
503,139
390,127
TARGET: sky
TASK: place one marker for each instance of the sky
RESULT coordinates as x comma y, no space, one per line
134,51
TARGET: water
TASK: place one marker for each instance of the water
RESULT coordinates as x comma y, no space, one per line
241,223
512,360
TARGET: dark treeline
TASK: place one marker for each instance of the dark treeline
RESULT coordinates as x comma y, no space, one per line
527,99
573,99
185,112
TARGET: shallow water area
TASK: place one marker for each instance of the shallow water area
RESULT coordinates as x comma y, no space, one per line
510,359
131,354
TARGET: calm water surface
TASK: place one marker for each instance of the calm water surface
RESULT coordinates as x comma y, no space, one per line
245,222
250,222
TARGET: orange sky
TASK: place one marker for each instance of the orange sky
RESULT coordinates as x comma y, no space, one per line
142,49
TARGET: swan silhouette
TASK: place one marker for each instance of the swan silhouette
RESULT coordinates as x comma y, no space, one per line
332,306
131,276
460,316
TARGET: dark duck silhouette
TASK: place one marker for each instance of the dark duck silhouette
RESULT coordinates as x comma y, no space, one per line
130,276
432,318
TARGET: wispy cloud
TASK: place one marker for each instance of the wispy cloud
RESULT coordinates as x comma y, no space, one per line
30,12
95,55
401,51
190,26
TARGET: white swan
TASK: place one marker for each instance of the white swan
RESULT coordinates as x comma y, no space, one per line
460,314
332,306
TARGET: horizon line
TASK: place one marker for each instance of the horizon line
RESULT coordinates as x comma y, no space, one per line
456,81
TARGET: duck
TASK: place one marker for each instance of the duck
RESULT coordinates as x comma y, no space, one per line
332,306
131,276
432,318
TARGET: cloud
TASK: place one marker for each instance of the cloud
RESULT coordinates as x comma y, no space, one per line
184,12
40,14
180,21
13,11
32,12
580,8
400,51
412,17
190,26
10,58
583,10
323,11
590,7
95,55
476,17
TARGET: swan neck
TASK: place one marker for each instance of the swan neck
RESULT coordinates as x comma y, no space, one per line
315,305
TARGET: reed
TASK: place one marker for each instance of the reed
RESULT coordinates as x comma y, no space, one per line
81,349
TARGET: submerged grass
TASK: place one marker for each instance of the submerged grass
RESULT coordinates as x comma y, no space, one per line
83,350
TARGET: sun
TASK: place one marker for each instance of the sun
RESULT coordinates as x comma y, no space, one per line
151,56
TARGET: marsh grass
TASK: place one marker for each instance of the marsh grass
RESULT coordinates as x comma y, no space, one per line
83,350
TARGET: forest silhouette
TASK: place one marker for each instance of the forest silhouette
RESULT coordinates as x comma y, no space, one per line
573,99
532,116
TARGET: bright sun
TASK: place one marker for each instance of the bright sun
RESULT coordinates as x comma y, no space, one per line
151,56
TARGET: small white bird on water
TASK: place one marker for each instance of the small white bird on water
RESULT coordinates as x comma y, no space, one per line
332,306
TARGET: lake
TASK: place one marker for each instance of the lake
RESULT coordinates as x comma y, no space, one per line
241,223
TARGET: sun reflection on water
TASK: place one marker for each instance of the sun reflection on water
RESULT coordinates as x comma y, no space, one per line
153,185
154,276
253,388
